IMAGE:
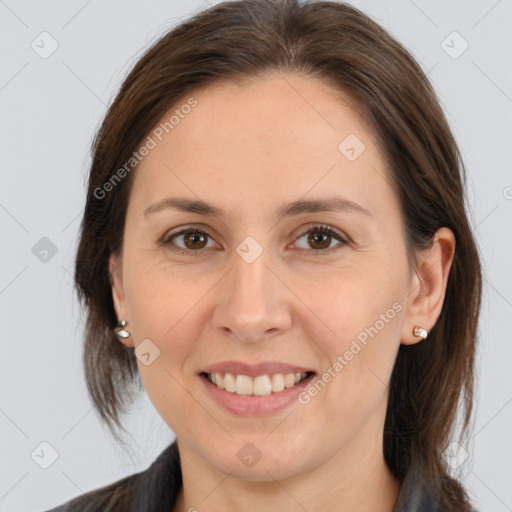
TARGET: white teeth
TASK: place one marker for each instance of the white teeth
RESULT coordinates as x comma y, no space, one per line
219,380
289,380
243,385
260,386
278,382
229,383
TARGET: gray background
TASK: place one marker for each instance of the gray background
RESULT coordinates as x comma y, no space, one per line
50,109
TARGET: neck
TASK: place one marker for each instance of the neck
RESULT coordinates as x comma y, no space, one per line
355,479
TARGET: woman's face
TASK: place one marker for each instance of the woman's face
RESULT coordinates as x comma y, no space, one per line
255,286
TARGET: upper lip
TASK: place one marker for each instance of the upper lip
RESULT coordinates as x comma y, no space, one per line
253,370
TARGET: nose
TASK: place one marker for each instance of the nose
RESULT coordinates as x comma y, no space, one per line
253,303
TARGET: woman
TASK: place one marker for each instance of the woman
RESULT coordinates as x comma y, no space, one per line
275,246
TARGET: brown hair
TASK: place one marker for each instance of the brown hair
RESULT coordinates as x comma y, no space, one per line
339,44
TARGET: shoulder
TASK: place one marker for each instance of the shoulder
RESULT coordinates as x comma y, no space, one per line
418,494
155,487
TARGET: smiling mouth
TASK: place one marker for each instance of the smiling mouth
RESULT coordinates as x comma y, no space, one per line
262,385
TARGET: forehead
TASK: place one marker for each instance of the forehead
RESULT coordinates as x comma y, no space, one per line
278,137
275,110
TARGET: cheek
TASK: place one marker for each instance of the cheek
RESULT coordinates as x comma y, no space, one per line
167,314
361,308
159,296
366,319
158,317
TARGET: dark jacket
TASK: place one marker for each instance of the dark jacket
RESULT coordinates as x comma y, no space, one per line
165,474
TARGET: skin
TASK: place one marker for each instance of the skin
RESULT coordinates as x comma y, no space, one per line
249,149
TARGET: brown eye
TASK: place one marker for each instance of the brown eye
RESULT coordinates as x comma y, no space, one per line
321,237
315,237
193,240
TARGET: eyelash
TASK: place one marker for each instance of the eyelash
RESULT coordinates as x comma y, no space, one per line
320,228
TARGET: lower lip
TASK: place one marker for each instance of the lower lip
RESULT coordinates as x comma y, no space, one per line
250,405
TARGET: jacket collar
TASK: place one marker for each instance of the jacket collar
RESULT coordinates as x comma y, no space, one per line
416,495
158,486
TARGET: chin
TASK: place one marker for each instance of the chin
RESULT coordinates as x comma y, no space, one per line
259,458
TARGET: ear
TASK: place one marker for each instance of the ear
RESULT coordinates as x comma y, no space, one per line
115,268
428,285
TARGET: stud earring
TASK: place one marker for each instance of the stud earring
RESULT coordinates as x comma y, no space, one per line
120,331
419,331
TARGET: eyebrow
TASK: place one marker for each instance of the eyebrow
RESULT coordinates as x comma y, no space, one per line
200,207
